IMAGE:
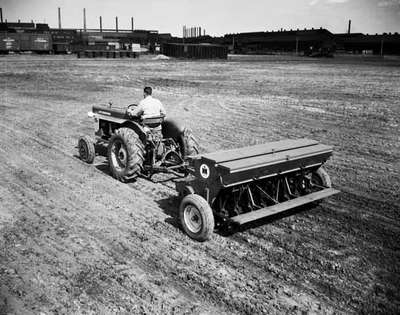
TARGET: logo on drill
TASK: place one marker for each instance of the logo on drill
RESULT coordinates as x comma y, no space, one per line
204,171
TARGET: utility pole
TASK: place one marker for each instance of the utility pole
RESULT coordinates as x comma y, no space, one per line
59,18
84,19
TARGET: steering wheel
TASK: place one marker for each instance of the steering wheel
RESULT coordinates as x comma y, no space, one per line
130,106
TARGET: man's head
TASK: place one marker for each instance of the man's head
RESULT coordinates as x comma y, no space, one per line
147,91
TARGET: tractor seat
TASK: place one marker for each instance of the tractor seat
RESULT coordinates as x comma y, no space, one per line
153,122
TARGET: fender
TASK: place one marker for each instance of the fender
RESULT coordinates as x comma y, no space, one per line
172,129
137,128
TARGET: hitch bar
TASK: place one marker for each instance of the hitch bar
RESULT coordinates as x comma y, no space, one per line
281,207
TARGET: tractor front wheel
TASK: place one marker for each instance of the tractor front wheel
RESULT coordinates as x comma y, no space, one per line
86,149
196,217
125,154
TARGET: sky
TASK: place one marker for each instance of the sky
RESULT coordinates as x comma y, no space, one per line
217,17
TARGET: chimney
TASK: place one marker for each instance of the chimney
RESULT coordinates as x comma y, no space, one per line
349,29
84,19
1,15
101,24
59,18
116,23
132,25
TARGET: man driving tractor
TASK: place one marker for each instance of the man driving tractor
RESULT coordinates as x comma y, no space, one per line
149,107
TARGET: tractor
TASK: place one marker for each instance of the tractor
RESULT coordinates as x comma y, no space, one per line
138,146
219,190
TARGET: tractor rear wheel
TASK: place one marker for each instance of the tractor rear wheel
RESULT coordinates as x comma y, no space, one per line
196,217
86,149
188,143
125,154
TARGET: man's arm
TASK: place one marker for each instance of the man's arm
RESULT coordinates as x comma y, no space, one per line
163,112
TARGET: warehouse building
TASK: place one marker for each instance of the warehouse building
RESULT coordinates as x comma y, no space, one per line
314,42
194,51
358,43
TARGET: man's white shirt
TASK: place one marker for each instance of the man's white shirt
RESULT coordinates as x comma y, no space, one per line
149,107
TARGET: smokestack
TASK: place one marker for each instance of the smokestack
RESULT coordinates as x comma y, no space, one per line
116,23
132,25
59,18
349,29
84,19
1,15
101,24
199,31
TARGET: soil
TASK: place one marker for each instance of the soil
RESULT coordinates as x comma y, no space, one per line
75,240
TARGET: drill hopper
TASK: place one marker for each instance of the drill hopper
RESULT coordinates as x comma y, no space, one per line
247,184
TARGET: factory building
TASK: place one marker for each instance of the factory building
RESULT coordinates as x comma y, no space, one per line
195,51
314,42
358,43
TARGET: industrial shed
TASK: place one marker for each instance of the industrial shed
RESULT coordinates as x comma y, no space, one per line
357,43
194,51
306,42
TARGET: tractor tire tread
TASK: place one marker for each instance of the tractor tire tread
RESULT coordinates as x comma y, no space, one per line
190,143
136,151
91,152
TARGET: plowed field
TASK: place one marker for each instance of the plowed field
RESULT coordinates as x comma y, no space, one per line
75,241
